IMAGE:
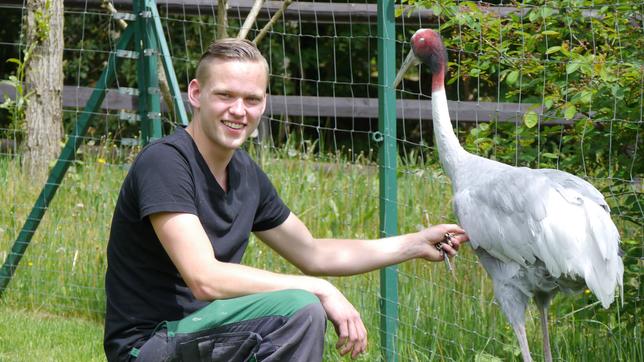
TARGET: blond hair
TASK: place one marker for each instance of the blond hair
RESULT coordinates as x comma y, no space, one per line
228,49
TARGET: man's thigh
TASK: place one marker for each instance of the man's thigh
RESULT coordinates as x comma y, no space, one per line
229,330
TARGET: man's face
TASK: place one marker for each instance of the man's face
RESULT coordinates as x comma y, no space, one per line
230,103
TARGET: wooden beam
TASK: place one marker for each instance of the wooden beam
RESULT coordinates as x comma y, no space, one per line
320,12
334,107
406,109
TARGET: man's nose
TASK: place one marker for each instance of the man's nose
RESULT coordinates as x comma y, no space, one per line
237,107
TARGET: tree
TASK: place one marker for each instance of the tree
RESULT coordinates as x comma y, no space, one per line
44,79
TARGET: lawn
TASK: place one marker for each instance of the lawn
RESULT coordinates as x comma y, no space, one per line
38,336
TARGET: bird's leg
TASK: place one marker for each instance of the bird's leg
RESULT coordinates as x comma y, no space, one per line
542,300
511,299
543,312
447,240
519,331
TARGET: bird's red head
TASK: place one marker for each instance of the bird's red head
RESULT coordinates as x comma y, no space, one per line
428,47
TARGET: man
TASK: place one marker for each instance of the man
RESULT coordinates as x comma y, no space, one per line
175,288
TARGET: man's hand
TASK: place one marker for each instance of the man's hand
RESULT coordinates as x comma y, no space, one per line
436,234
352,334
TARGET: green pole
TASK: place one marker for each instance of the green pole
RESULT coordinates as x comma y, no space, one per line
169,69
387,163
60,168
148,78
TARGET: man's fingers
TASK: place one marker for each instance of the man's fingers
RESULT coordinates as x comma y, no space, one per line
344,344
455,229
362,340
356,340
343,335
450,250
452,241
349,342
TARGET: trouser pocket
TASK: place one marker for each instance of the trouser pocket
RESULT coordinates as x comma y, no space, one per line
220,347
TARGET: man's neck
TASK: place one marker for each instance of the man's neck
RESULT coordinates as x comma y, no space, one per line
217,159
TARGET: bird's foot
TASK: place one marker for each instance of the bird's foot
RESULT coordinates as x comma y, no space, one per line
446,240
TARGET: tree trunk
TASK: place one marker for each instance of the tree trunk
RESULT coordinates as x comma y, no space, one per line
222,19
44,78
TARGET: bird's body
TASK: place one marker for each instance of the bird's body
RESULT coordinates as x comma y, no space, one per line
536,231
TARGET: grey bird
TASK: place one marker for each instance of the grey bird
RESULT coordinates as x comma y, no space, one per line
535,231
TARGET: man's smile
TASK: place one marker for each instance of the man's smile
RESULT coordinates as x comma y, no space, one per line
233,125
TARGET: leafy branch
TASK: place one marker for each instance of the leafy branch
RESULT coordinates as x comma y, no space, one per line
17,105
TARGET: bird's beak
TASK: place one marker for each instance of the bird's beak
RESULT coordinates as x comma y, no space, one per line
409,61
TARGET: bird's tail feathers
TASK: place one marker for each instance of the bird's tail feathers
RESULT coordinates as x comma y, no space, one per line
605,269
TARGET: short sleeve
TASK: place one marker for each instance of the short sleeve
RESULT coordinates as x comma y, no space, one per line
163,181
271,211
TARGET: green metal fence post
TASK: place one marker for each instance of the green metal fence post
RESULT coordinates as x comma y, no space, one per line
60,168
148,78
387,163
179,108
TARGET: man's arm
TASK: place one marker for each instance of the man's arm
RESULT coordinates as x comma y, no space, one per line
294,241
189,248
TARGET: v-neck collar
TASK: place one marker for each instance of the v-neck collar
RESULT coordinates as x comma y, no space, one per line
232,176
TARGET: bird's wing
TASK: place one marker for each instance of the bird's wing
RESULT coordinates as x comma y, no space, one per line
570,181
522,214
502,214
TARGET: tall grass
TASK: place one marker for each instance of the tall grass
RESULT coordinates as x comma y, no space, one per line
440,318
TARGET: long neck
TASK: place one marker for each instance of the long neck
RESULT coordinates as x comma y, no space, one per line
449,149
438,80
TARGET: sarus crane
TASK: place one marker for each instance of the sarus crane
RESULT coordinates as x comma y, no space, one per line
535,231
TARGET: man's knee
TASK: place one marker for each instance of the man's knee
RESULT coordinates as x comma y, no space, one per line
301,337
298,298
318,314
310,307
315,313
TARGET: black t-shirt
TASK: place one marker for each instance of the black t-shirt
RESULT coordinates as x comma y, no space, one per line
143,287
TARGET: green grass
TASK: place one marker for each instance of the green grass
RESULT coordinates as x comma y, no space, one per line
61,275
31,335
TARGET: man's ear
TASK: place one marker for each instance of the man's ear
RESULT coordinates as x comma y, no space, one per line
194,91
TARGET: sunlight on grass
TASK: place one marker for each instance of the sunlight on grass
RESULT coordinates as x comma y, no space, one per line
28,335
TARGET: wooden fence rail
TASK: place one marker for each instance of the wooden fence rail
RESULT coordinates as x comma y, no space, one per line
334,107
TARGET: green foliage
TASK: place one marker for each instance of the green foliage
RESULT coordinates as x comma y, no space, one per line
544,53
16,107
42,18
